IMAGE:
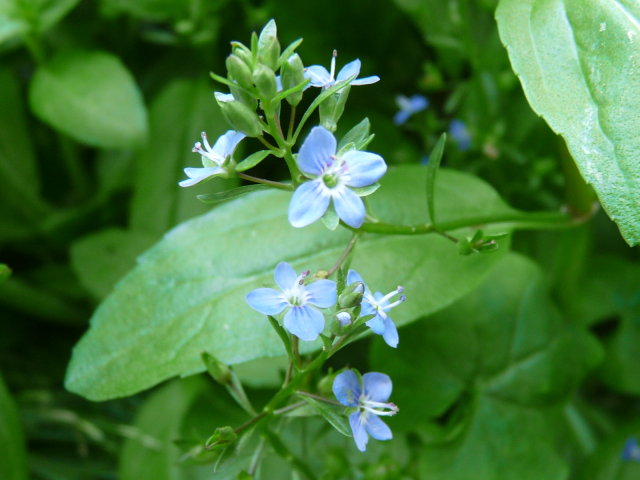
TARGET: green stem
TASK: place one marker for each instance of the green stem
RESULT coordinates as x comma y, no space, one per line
289,408
354,239
271,183
267,144
292,121
319,398
518,220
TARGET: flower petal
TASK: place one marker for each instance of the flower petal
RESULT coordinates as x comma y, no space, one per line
390,334
376,324
353,277
308,203
366,80
285,276
305,322
196,175
378,429
227,143
347,388
359,433
349,70
401,117
318,75
349,206
267,301
224,97
377,386
317,151
365,168
322,293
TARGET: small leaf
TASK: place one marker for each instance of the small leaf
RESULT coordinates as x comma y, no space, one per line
432,169
334,415
92,97
358,135
252,160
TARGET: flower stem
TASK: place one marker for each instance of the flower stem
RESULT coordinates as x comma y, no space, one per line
319,398
267,144
354,239
289,408
292,121
271,183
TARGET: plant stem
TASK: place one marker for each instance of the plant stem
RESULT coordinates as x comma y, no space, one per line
319,398
292,121
271,183
354,239
289,408
267,144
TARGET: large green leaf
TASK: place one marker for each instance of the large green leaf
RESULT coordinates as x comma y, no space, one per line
186,294
579,64
158,203
92,97
13,464
485,374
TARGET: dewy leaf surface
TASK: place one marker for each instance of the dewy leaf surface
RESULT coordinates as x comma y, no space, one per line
92,97
186,295
579,64
487,372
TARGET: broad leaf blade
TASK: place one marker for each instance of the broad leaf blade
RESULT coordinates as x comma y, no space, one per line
92,97
186,294
579,64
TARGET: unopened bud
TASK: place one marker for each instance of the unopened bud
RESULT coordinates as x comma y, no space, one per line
292,75
268,45
240,116
218,370
352,295
222,437
243,53
265,80
239,71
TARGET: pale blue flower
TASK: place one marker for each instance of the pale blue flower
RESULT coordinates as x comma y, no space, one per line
408,106
369,396
460,134
213,159
301,318
631,450
332,179
320,77
379,305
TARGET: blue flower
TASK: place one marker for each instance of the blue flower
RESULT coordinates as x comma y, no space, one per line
379,305
332,176
302,319
408,106
460,134
213,159
369,395
631,450
320,77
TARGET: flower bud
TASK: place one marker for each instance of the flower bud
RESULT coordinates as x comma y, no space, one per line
222,437
332,108
268,46
292,75
218,370
239,71
351,296
240,117
265,80
243,53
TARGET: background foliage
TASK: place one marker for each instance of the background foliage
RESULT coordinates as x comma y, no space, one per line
517,364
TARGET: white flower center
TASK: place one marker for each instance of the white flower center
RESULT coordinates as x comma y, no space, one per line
297,295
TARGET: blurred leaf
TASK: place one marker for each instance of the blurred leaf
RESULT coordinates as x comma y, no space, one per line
187,293
608,291
334,415
158,202
579,64
213,198
19,194
19,17
92,97
606,463
432,169
101,259
5,272
13,463
484,374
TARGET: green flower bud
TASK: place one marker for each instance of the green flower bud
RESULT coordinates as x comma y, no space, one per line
332,108
265,79
239,71
218,370
222,437
240,117
268,45
243,53
292,75
243,96
352,295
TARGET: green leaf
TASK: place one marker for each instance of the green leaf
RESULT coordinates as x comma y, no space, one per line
606,463
186,295
252,160
18,18
334,415
5,272
358,135
485,375
158,202
101,259
577,61
213,198
432,169
13,463
92,97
